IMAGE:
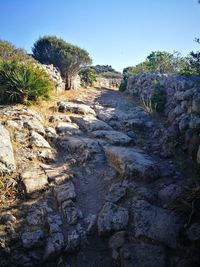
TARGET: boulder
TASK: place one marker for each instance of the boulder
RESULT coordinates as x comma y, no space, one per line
65,106
7,160
155,223
32,124
112,218
132,162
55,243
59,118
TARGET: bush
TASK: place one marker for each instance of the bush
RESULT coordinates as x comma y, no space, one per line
158,99
23,82
88,76
111,75
123,85
9,52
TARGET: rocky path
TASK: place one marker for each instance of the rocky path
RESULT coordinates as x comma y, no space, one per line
99,195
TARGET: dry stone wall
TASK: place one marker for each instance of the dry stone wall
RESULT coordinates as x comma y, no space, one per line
182,107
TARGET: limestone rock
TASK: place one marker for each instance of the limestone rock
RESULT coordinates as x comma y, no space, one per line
170,192
55,243
7,161
112,218
90,123
38,140
132,162
71,212
59,118
68,128
34,179
33,239
65,106
65,192
117,192
113,137
155,223
33,124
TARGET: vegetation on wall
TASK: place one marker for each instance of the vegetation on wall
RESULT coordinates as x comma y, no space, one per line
66,57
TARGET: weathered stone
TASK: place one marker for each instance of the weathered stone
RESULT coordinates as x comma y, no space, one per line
33,239
7,161
34,179
38,140
142,255
194,122
112,218
7,218
68,128
113,137
64,192
33,124
59,118
86,148
35,216
65,106
155,223
54,222
196,104
117,192
51,133
170,192
73,242
55,243
90,123
132,162
193,233
198,155
71,212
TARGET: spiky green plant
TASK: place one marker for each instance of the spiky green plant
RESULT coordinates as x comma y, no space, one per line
23,82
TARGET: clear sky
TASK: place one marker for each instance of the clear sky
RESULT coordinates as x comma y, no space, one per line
120,33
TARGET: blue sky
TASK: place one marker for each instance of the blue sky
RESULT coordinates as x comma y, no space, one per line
120,33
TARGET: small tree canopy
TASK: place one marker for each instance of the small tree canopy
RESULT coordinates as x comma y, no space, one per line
66,57
9,52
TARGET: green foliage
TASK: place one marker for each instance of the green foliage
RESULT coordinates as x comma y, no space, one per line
111,75
103,69
158,98
23,82
9,52
192,64
123,85
66,57
88,76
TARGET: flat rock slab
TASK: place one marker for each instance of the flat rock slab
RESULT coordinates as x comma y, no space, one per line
68,128
34,179
65,106
113,137
156,223
7,161
90,123
32,124
142,255
80,145
132,162
112,218
108,113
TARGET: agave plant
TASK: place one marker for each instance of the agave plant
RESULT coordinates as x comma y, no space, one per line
22,82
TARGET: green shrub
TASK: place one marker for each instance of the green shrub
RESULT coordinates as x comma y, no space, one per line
23,82
88,76
158,98
123,85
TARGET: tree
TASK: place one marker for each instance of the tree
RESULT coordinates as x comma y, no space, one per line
88,76
9,52
66,57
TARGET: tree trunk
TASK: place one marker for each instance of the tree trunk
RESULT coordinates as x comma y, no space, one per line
68,82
